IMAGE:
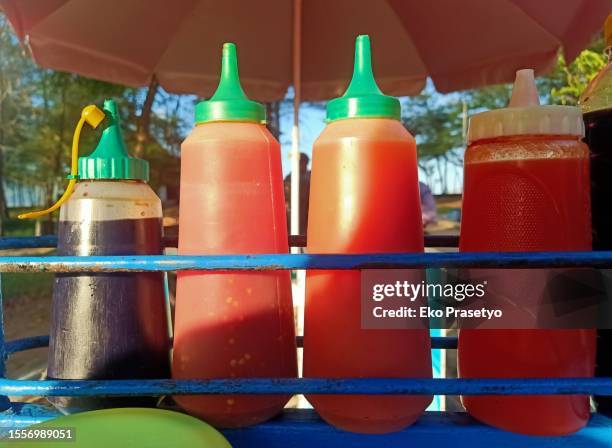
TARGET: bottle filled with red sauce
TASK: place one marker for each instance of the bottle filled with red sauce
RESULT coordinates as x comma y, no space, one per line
526,188
232,324
364,198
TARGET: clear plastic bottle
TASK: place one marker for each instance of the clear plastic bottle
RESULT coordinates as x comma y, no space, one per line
526,188
109,325
232,324
364,198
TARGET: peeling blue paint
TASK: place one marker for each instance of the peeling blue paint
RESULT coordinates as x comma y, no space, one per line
304,261
382,386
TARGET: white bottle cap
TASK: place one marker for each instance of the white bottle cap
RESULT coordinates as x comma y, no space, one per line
525,116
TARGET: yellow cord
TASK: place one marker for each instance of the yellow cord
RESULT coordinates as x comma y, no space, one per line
92,116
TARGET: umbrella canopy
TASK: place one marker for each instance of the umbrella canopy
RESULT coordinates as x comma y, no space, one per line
459,44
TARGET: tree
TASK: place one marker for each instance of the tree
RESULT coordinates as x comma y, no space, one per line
436,123
167,128
15,104
567,82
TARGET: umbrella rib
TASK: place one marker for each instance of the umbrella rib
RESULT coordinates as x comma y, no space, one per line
537,22
22,32
170,41
424,63
98,54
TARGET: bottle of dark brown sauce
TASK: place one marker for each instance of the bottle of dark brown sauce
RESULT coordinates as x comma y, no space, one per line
109,325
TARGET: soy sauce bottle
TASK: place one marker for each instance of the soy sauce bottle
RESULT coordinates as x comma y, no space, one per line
596,105
108,325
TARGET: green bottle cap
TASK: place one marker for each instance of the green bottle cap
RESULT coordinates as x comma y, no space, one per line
363,98
229,103
110,159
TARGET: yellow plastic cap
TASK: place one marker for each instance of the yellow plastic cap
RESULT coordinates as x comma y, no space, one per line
608,31
92,115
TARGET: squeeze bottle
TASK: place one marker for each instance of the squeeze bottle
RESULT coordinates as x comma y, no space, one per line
108,325
364,198
526,188
596,105
232,324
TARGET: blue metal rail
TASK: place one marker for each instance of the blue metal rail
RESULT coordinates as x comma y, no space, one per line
448,342
353,386
261,262
303,428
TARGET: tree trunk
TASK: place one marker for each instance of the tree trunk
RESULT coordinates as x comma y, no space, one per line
142,129
3,207
3,211
60,153
445,174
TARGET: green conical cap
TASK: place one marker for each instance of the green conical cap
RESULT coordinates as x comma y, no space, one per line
363,98
229,103
110,159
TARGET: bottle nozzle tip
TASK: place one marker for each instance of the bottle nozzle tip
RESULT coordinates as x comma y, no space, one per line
110,106
229,48
363,77
524,91
229,87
